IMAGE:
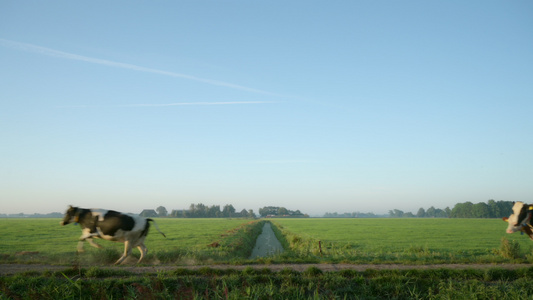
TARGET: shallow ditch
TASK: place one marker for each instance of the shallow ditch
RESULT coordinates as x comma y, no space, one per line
266,244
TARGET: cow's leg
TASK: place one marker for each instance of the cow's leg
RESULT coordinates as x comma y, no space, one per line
84,235
92,243
127,251
87,236
143,250
80,246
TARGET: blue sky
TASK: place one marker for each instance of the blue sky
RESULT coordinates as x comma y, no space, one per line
312,105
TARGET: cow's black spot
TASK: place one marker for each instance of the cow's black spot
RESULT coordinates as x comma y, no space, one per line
71,213
523,214
86,219
113,221
146,227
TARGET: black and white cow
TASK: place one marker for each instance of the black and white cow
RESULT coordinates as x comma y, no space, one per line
112,226
520,219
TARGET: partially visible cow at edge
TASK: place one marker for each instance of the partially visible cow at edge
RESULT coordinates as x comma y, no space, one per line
112,226
520,219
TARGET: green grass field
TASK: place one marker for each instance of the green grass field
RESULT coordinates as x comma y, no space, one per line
187,240
413,241
400,240
376,241
47,235
398,234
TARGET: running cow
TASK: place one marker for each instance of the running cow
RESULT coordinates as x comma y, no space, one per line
520,219
112,226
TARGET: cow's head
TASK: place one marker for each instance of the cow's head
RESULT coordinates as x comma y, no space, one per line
521,215
71,216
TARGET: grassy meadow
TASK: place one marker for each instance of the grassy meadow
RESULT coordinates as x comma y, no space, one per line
423,241
402,240
186,242
190,241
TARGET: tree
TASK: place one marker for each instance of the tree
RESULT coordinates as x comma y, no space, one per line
262,212
439,213
251,213
396,213
430,212
506,208
201,210
268,210
161,211
214,211
480,210
228,211
462,210
282,211
421,213
191,213
448,212
178,213
500,208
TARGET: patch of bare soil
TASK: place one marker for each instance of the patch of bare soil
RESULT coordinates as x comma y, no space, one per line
11,269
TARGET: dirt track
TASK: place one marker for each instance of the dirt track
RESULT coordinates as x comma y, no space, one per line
10,269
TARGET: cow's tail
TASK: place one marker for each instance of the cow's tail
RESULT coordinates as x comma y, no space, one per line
156,227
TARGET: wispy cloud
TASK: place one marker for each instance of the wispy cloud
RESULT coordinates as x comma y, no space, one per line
65,55
283,161
171,104
199,103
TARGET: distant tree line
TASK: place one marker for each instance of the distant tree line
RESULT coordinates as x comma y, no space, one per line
22,215
353,215
278,212
491,209
199,211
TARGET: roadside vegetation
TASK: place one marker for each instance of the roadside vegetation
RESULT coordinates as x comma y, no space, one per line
206,283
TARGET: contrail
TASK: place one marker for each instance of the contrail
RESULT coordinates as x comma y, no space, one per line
283,161
199,103
169,104
65,55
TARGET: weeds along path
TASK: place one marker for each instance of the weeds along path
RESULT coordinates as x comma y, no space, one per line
11,269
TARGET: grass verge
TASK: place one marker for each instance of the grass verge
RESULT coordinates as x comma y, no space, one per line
207,283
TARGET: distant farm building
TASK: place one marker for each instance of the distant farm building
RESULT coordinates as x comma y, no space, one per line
148,213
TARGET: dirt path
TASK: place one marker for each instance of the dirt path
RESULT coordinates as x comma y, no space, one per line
266,244
10,269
